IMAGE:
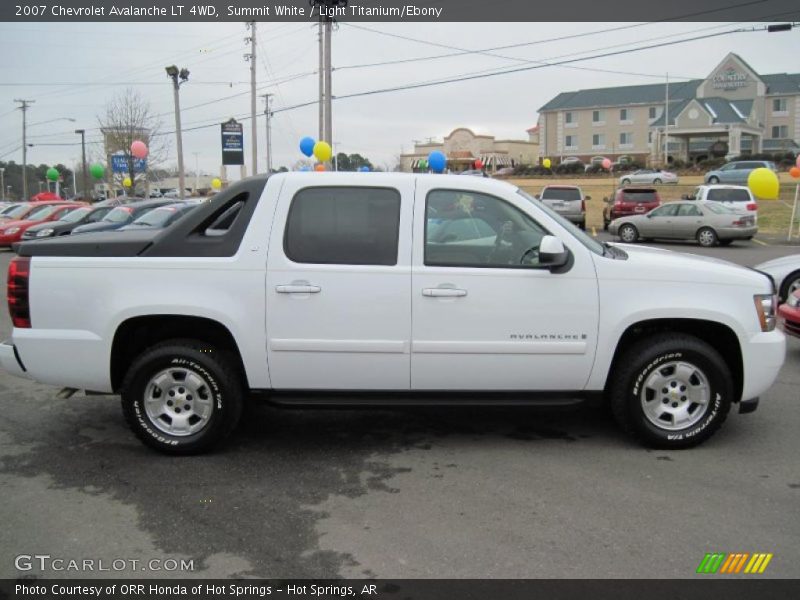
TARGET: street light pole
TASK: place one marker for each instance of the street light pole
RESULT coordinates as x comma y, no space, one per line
84,181
268,115
196,172
23,106
176,75
2,185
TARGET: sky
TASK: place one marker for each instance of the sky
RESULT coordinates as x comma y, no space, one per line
73,70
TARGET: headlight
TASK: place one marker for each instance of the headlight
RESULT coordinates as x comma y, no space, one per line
44,232
12,230
793,301
765,308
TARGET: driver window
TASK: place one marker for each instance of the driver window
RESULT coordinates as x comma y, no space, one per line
689,210
468,229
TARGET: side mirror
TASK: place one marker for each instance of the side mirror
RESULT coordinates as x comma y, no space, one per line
552,253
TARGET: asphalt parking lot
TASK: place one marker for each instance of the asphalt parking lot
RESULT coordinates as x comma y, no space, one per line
439,493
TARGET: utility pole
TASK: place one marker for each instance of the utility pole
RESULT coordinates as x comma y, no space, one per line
196,172
328,88
268,114
253,125
321,71
84,182
23,106
2,185
666,123
174,74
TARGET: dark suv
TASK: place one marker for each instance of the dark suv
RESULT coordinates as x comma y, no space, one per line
630,201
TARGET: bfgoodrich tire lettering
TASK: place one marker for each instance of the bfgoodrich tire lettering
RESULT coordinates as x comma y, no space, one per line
217,387
657,357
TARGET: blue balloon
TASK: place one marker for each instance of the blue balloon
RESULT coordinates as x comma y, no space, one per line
307,145
364,169
437,161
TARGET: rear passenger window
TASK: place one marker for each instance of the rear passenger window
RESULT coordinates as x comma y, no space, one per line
343,225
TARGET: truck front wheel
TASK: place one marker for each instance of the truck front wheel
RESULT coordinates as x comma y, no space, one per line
671,391
182,396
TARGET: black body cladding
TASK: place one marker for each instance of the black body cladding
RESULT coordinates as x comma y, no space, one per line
185,237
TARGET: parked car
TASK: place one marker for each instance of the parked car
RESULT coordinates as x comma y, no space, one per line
649,177
74,218
630,201
566,200
789,314
12,231
161,217
475,173
121,216
786,273
710,223
173,193
315,288
504,172
737,172
737,197
8,208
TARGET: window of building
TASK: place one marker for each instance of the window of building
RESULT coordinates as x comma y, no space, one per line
598,140
780,132
649,137
597,116
651,113
568,117
571,141
467,229
343,225
625,139
779,105
624,115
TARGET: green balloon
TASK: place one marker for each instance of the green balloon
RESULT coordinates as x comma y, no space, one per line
423,164
97,171
53,174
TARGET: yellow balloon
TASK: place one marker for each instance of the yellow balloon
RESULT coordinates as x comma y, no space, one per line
216,183
323,152
764,184
127,182
546,163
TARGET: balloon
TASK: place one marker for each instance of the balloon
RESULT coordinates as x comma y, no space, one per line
764,183
97,171
216,183
364,169
606,163
322,151
307,145
423,164
139,149
127,182
53,174
546,163
797,162
319,167
795,172
478,164
437,161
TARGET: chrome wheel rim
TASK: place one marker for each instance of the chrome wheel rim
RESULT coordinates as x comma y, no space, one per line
706,238
675,396
178,401
627,234
793,287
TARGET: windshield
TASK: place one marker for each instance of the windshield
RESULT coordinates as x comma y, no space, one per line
638,196
42,213
75,215
156,217
728,195
560,194
584,239
18,211
118,215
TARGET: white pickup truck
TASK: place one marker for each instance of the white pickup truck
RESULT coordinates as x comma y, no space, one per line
385,289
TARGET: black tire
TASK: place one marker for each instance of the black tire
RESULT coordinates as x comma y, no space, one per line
725,242
707,237
792,279
582,225
641,362
656,181
223,390
634,233
713,180
626,181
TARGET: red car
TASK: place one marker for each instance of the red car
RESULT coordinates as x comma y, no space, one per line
789,312
630,201
11,230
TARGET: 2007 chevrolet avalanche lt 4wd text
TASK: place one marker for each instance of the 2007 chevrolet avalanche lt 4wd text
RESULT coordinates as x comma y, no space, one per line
385,288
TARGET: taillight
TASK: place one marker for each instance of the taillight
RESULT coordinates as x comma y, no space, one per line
583,205
752,206
19,271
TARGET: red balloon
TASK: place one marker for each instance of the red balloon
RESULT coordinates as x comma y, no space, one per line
478,163
319,167
139,149
606,163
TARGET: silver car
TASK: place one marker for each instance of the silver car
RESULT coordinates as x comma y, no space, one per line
567,200
786,273
649,177
710,223
738,171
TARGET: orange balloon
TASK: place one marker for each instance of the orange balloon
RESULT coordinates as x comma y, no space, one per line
319,168
795,172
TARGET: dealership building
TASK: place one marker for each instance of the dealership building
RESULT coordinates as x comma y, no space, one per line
733,111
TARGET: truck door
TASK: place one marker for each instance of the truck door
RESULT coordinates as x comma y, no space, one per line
338,286
485,316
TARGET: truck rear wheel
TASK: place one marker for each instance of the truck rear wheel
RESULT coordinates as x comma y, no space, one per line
671,391
182,396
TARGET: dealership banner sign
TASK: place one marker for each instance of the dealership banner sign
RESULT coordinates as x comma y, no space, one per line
232,143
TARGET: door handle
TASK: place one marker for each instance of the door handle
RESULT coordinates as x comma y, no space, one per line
443,292
298,289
